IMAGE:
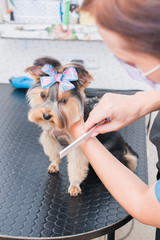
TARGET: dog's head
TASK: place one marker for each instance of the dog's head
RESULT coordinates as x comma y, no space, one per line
52,107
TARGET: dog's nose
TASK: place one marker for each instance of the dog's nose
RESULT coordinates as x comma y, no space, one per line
46,116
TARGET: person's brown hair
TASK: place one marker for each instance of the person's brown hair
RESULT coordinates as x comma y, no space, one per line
138,21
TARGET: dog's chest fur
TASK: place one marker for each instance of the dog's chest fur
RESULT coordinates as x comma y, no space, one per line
62,136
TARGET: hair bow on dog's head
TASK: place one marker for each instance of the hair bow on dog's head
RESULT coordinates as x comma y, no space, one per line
65,78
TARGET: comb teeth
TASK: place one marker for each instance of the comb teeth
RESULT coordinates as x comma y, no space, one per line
75,144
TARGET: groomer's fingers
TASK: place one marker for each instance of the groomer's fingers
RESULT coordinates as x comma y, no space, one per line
96,116
118,108
107,127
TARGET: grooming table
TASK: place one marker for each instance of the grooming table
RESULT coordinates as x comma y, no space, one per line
35,204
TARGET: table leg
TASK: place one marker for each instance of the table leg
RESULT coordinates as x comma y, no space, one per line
111,236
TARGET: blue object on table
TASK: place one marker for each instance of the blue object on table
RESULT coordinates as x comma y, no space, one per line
21,82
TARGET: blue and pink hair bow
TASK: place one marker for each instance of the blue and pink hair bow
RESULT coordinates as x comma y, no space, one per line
65,78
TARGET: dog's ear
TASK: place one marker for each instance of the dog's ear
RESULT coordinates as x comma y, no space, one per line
35,72
84,78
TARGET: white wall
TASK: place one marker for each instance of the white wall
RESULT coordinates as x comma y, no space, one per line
16,55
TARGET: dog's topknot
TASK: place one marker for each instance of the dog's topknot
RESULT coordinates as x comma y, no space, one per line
84,78
47,60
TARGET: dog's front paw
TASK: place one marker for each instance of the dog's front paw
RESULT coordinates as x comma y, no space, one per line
53,168
74,189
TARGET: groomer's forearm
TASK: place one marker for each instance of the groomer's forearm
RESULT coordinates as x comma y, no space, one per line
148,102
124,185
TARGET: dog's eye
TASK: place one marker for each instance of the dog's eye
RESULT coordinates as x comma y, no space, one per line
63,101
43,95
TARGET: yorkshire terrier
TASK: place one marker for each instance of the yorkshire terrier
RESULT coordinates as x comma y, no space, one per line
57,101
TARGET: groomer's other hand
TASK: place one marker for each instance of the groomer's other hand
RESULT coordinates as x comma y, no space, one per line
122,110
76,130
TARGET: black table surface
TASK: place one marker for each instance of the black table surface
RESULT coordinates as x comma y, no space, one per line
35,204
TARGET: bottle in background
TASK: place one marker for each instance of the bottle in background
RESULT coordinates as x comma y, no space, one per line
65,24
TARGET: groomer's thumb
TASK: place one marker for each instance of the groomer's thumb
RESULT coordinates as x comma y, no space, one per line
105,128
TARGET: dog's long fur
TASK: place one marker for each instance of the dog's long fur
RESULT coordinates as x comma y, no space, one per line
54,111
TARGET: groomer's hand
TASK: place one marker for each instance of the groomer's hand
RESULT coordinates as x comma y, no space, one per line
122,110
76,130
